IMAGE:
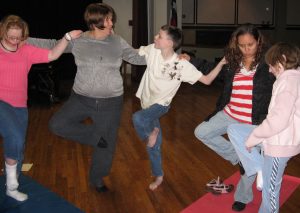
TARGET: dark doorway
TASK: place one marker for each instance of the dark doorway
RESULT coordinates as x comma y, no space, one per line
139,33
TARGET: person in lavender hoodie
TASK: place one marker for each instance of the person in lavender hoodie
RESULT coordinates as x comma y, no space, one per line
278,134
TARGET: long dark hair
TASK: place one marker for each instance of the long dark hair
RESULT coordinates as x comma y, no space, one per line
233,53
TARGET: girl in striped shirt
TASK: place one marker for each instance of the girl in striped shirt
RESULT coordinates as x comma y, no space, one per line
244,99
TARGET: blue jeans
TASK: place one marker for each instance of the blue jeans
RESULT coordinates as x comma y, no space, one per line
238,134
252,161
144,122
273,169
13,128
210,133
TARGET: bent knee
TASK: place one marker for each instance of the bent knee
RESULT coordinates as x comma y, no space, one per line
199,132
231,129
54,126
136,119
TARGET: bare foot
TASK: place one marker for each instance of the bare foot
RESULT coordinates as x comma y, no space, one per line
156,183
152,137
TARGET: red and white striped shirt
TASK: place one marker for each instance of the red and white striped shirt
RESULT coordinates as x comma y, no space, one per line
240,104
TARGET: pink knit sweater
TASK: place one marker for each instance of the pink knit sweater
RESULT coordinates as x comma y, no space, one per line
14,68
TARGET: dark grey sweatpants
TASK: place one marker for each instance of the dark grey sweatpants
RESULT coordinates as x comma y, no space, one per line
105,114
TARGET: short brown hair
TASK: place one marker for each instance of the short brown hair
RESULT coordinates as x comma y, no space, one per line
13,21
175,34
286,54
96,13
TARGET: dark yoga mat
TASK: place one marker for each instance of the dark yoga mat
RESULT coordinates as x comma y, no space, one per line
41,199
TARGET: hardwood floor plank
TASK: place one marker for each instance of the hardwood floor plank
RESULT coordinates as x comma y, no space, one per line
63,166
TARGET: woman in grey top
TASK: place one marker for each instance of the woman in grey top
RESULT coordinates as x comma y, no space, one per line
97,90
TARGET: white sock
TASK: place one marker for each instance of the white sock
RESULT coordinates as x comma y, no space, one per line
12,183
259,181
19,196
11,176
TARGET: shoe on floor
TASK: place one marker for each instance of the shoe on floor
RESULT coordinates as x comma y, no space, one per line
238,206
220,189
214,182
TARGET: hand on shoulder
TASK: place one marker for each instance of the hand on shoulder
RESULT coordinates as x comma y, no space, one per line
222,62
184,56
73,34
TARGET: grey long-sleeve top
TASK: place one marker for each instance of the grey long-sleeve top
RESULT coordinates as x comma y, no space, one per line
98,63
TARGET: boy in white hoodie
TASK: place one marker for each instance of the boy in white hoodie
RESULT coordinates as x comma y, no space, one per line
278,133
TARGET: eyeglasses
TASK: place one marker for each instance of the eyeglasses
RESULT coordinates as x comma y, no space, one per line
13,38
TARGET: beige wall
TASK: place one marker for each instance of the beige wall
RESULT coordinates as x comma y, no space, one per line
161,14
278,33
123,9
160,17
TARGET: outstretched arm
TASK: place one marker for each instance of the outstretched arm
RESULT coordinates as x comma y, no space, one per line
130,54
42,42
200,63
207,79
59,48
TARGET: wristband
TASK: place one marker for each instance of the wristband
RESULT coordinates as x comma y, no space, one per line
68,37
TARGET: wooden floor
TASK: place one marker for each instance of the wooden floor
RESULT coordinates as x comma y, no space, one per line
62,166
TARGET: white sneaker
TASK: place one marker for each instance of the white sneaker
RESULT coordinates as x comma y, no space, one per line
259,181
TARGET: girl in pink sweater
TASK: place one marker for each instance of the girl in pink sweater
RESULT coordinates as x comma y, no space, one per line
278,134
15,62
